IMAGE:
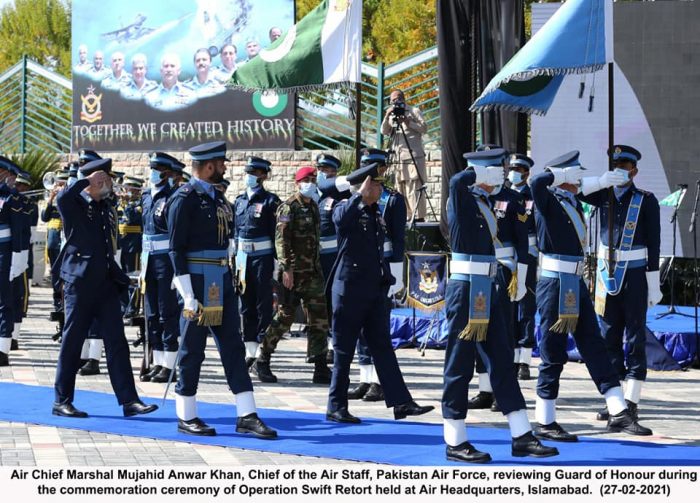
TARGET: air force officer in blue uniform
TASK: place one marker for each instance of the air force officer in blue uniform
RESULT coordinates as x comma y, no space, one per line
87,266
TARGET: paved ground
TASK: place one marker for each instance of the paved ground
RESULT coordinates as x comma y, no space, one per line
671,406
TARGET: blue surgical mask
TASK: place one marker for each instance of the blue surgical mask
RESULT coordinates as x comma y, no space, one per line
155,177
321,177
251,181
308,189
515,177
624,173
171,182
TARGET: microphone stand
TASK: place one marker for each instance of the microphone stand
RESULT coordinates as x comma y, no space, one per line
674,220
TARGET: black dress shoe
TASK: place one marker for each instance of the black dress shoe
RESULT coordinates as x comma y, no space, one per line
330,356
4,360
151,373
528,445
603,414
342,416
67,410
553,431
467,453
359,391
375,393
495,407
262,369
138,407
91,368
634,410
626,423
14,346
163,375
524,372
411,409
484,400
253,424
195,427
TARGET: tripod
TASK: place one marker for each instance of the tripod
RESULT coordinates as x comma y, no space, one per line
674,220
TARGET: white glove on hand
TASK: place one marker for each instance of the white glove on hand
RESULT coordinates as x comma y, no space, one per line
191,304
654,294
341,183
397,272
592,184
231,248
183,284
522,276
490,175
566,175
20,261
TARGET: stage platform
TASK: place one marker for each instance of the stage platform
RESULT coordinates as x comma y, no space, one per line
671,341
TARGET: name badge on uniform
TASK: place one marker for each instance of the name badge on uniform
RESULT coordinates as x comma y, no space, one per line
258,210
500,208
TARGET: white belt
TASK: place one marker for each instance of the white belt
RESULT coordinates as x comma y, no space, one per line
556,265
388,247
505,252
469,267
623,256
5,233
153,246
254,246
332,243
532,240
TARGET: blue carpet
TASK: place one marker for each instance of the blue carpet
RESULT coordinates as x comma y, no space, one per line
375,440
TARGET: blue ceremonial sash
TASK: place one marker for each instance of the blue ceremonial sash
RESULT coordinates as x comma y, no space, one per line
489,216
213,265
569,295
576,219
479,297
329,249
383,201
607,284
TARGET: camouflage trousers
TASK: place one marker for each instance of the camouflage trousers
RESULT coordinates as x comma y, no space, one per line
309,292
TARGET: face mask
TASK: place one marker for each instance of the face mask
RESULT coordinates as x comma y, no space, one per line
251,181
308,189
321,177
171,182
624,173
155,177
496,190
515,177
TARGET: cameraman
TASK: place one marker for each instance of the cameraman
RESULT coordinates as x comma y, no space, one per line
409,177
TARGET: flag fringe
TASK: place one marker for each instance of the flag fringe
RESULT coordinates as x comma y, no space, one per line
211,317
410,302
350,86
565,324
475,330
513,285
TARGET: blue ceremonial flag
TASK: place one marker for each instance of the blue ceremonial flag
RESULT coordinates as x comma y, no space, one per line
427,280
578,38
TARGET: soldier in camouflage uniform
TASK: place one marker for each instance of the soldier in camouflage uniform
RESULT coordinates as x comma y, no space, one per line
297,240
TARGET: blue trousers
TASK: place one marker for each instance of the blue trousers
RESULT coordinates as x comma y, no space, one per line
161,306
553,345
256,301
82,306
527,307
625,315
364,356
7,300
327,261
228,341
367,314
507,312
496,353
55,278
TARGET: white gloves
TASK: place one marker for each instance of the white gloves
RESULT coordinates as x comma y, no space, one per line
567,175
183,284
20,261
490,175
522,289
118,256
341,183
654,294
231,248
397,272
592,184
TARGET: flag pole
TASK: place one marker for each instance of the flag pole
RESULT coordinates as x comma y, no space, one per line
358,123
611,142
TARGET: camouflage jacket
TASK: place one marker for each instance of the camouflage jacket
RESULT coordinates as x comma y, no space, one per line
297,236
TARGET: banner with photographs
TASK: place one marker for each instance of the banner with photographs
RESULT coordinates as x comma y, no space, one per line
150,75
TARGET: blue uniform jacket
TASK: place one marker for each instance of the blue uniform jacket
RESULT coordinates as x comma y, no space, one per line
193,224
88,255
469,232
360,268
11,216
509,207
395,220
526,192
256,217
555,231
130,215
154,210
648,232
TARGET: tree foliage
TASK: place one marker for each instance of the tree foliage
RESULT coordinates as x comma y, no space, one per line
39,29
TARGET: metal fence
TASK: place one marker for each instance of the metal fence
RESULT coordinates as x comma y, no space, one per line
35,107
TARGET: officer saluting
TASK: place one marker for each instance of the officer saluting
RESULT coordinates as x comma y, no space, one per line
254,234
87,266
13,260
161,307
358,283
474,315
199,224
623,295
519,166
562,296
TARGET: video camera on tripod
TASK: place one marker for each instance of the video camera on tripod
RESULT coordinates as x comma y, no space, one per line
398,110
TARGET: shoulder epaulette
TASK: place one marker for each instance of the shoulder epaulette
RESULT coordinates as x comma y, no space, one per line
185,190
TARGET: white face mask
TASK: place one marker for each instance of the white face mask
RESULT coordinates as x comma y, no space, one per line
624,173
308,189
515,177
251,181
